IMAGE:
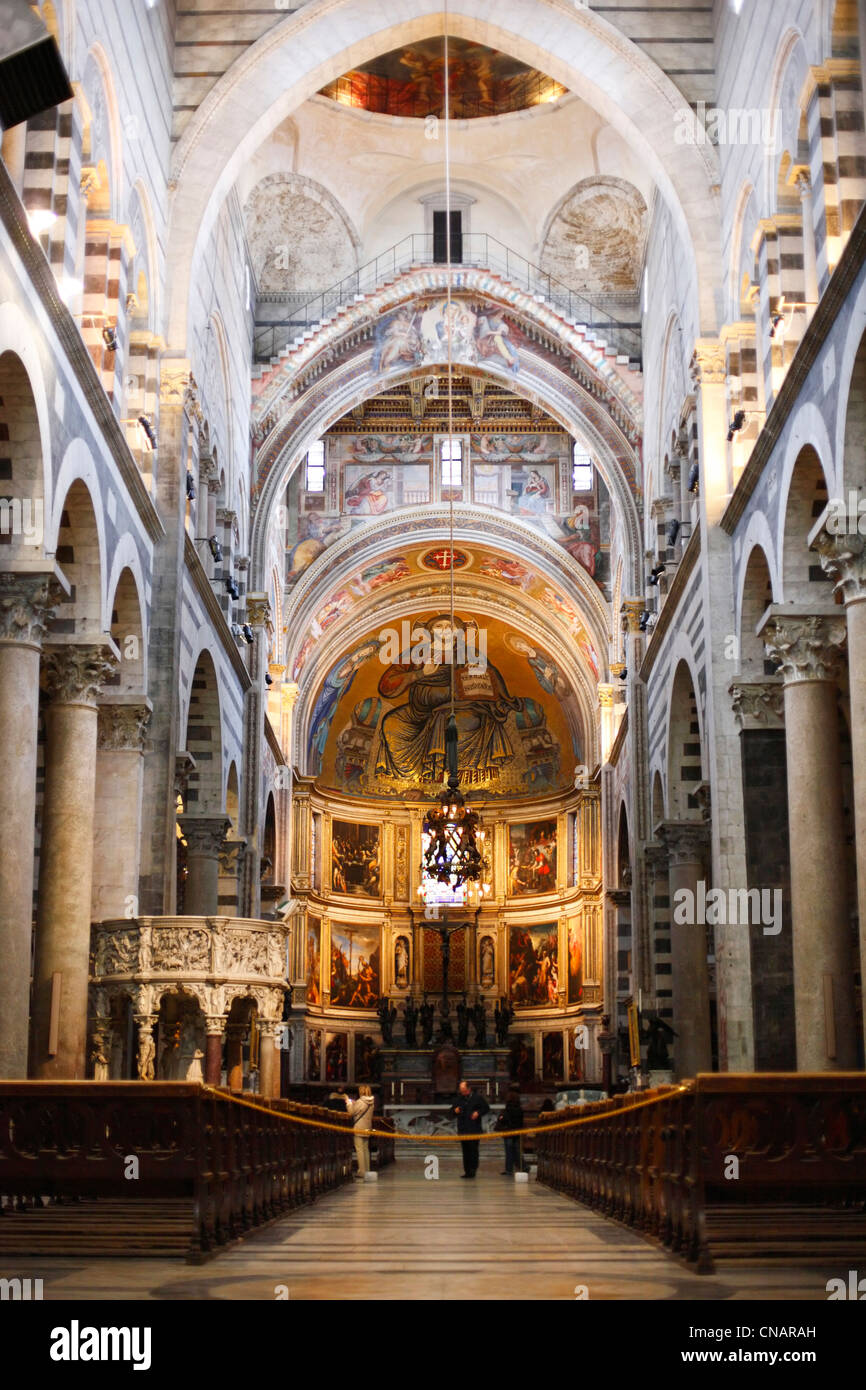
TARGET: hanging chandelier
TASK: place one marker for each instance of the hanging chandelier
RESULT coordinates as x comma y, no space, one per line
452,836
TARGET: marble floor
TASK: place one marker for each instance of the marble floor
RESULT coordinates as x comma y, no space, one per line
410,1237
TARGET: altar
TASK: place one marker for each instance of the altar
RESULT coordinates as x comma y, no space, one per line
408,1073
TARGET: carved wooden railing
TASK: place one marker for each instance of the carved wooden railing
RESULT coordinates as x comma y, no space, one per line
237,1165
737,1164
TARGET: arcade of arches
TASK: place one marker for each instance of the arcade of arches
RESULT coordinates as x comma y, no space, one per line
237,515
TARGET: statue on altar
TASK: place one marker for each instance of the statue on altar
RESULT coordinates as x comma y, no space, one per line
410,1022
463,1024
479,1023
446,1033
387,1014
427,1017
503,1016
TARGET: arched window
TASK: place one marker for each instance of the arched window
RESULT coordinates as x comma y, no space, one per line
315,480
581,471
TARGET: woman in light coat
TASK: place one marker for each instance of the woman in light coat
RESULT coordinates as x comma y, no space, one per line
361,1111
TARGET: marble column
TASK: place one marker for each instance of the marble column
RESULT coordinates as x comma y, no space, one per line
269,1073
213,1058
808,644
687,843
204,837
844,559
25,603
117,825
74,674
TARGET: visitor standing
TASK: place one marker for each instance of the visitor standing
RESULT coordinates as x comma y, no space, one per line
469,1109
512,1118
361,1111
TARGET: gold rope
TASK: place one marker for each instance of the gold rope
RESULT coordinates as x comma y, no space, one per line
447,1138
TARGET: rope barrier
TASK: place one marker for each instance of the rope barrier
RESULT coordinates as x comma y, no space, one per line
448,1138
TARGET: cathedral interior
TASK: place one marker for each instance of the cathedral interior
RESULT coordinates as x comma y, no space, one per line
431,567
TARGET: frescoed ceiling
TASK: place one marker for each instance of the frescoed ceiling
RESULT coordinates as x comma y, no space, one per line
378,725
410,82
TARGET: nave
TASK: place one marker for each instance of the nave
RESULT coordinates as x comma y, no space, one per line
404,1237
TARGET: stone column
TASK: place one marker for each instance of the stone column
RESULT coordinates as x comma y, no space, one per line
213,1057
808,644
74,674
843,557
204,837
117,822
269,1073
810,258
25,603
687,843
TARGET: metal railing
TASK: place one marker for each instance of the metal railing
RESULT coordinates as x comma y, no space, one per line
477,250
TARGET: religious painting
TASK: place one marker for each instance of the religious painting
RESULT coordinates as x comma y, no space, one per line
532,858
577,1048
314,960
552,1054
401,962
313,534
575,961
487,962
355,859
366,1058
370,492
410,82
533,967
521,1061
419,335
314,1054
336,1056
355,976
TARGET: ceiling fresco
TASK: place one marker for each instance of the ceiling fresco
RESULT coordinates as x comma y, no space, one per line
378,725
410,564
410,81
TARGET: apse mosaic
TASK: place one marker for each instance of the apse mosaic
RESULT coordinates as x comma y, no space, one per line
533,966
378,729
355,976
410,81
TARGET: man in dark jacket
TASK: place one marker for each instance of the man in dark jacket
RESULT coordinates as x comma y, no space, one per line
469,1109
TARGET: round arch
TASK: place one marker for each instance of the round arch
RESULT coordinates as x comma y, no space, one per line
581,50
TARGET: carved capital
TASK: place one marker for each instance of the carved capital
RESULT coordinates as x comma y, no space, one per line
807,644
204,835
630,612
259,610
656,857
708,364
843,558
758,704
605,696
686,841
289,693
123,726
75,674
215,1025
26,604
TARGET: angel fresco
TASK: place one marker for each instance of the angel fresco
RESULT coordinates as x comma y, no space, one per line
412,736
335,687
370,495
